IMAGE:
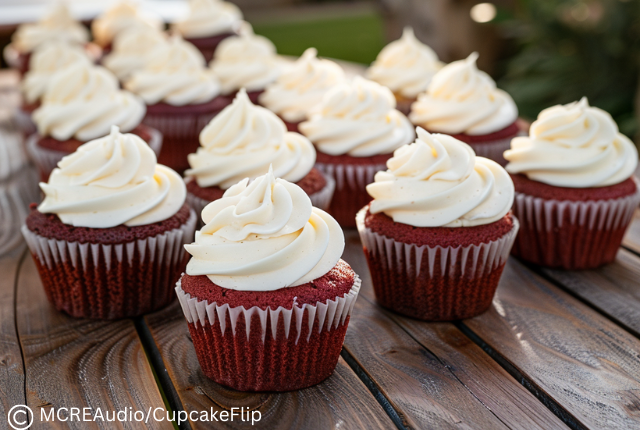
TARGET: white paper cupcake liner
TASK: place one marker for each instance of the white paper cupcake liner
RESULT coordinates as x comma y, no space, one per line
25,122
15,196
322,199
329,315
350,176
178,126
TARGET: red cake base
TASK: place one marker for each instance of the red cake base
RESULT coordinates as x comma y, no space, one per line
453,285
207,45
572,228
72,145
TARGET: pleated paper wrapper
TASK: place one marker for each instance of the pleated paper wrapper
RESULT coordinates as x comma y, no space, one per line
572,234
98,281
279,350
435,283
16,194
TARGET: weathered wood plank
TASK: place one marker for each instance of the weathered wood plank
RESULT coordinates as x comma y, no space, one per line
80,363
632,238
432,373
577,357
342,401
11,370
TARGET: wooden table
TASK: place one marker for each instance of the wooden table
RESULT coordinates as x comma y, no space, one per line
556,350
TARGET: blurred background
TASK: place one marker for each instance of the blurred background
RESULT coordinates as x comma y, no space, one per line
543,52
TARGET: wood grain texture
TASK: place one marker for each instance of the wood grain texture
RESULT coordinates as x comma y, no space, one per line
578,358
632,238
342,401
432,373
11,370
80,363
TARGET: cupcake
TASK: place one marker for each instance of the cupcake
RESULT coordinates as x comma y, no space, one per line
406,67
463,102
122,16
355,131
266,294
246,61
575,190
58,25
130,49
439,229
80,104
208,23
300,89
181,98
242,142
107,239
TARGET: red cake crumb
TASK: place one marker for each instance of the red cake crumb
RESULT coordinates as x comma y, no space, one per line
348,159
71,145
253,96
336,283
433,236
510,131
50,226
530,187
313,182
215,105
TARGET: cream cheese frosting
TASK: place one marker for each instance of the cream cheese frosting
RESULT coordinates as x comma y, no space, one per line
175,74
111,181
209,18
46,60
130,48
264,236
57,25
245,61
358,118
438,181
405,66
301,88
575,146
462,99
243,141
83,101
122,16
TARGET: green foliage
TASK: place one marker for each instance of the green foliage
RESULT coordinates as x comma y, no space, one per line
567,49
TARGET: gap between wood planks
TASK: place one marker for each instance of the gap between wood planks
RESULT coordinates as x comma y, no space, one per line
23,255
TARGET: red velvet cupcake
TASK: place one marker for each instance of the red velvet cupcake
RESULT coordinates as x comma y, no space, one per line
438,233
355,131
575,193
119,18
181,97
463,102
242,142
107,242
267,313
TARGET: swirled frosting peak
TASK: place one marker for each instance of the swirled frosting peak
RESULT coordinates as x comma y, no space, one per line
358,118
575,146
45,60
300,89
175,74
439,182
242,141
209,18
111,181
405,66
58,25
264,236
130,48
463,99
246,61
122,16
83,101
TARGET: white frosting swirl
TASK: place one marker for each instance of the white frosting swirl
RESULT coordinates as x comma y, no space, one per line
358,118
301,88
405,66
130,48
44,62
463,99
58,25
83,101
112,181
242,141
122,16
209,18
573,145
439,182
245,61
175,74
264,236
